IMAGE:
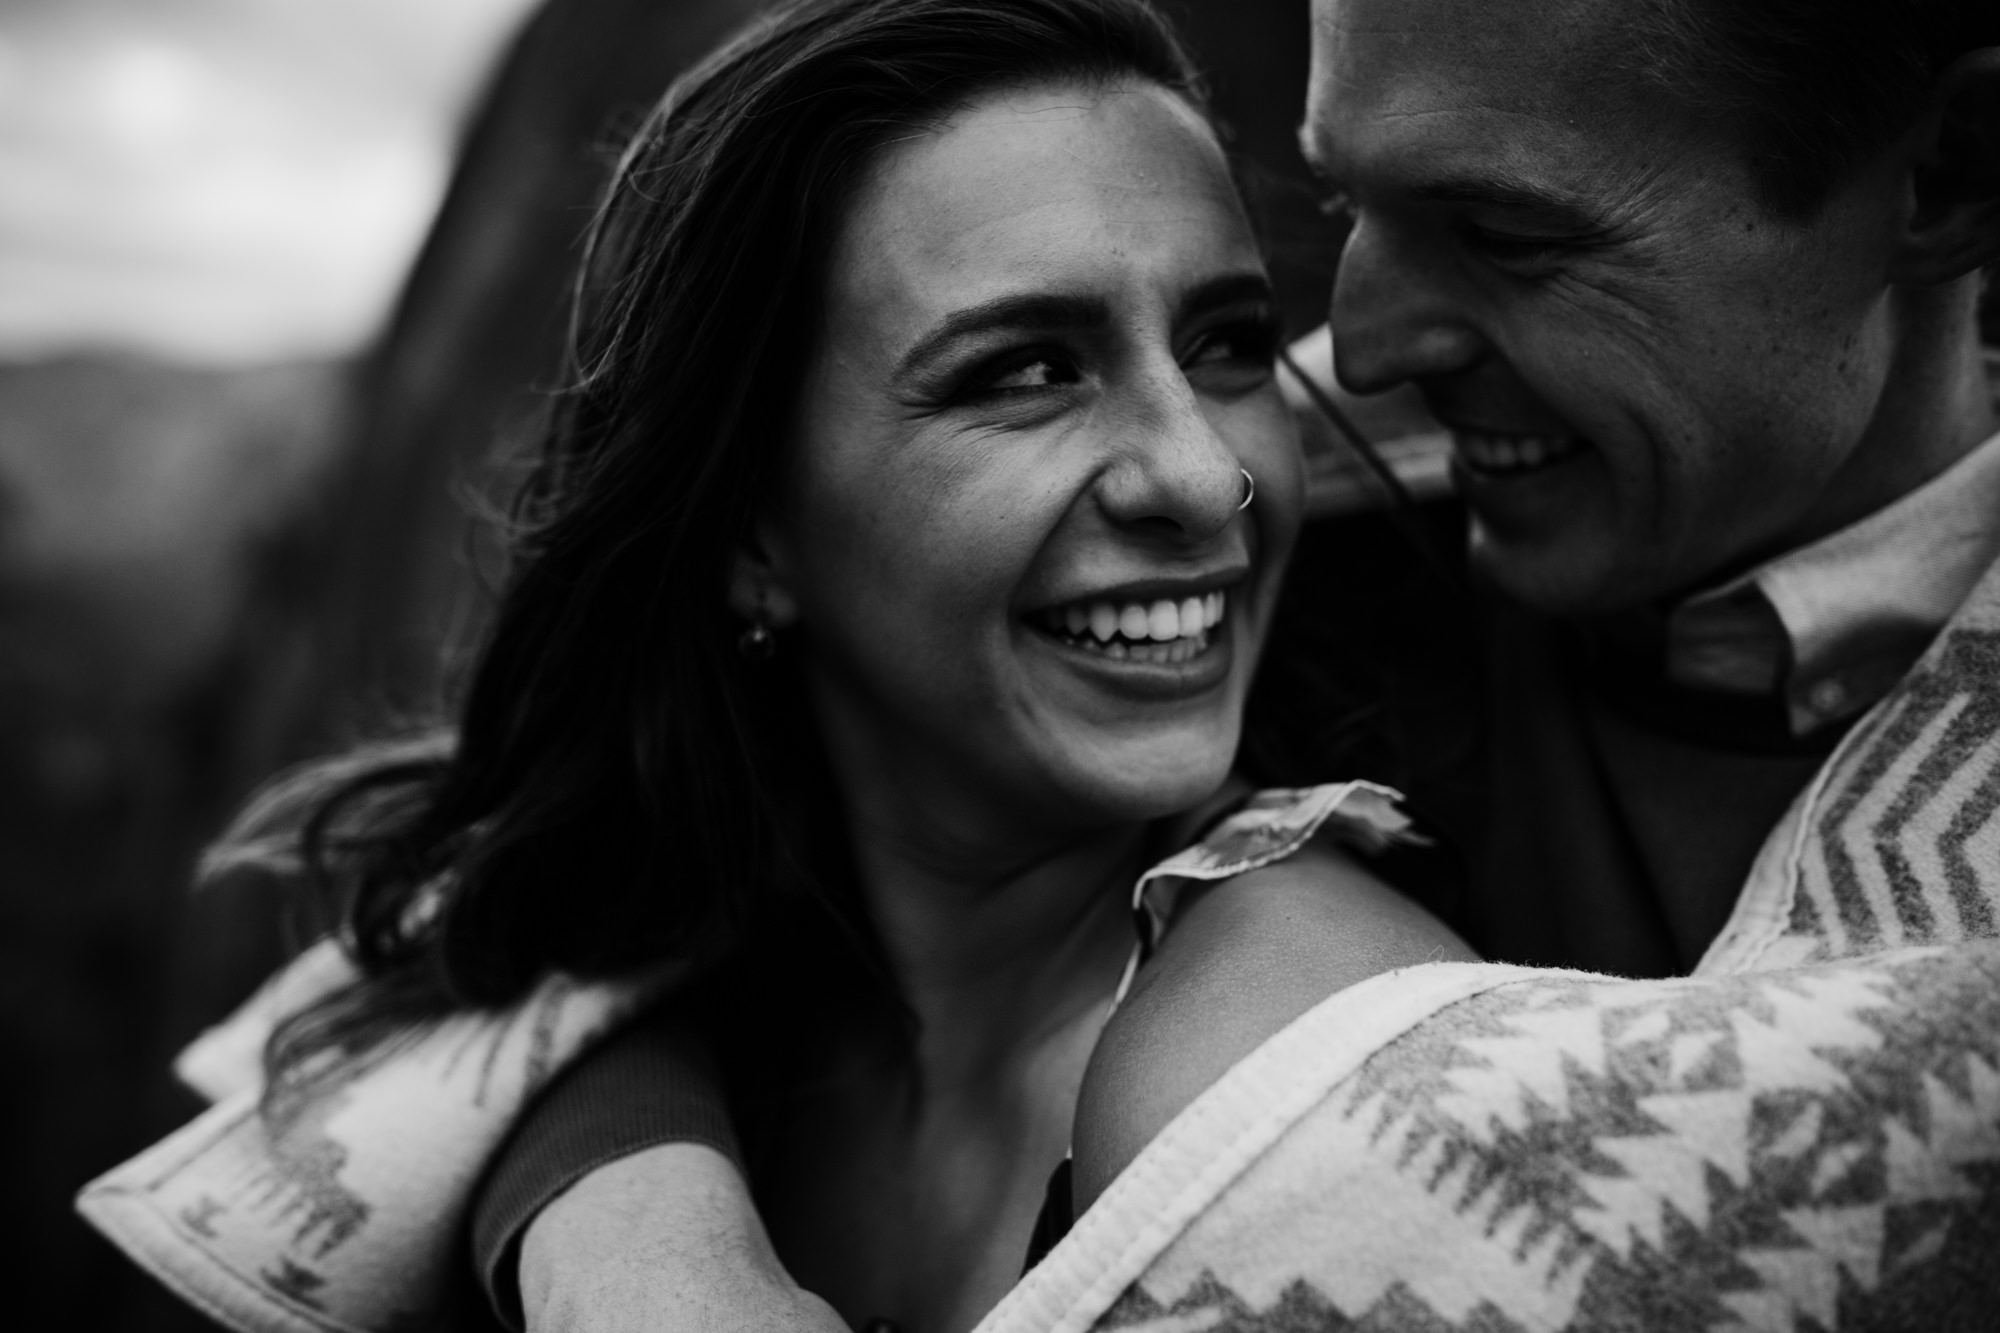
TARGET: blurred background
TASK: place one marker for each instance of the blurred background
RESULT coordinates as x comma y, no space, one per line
275,277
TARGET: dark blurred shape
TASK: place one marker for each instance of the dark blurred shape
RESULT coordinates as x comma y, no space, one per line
478,333
155,644
1255,53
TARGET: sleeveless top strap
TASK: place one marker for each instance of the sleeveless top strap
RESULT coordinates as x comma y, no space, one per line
1267,828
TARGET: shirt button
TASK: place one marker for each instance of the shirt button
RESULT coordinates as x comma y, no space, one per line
1827,696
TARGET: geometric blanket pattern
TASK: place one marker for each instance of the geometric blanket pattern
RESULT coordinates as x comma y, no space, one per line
1816,1149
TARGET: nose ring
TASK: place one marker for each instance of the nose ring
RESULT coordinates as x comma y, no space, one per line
1249,489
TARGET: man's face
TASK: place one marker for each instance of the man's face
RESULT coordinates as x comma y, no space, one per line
1651,380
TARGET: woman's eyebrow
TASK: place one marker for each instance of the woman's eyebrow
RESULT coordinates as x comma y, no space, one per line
1227,290
1032,310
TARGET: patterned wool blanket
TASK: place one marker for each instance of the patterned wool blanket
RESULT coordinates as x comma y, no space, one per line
1805,1133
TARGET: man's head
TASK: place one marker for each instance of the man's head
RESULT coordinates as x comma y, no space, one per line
1691,280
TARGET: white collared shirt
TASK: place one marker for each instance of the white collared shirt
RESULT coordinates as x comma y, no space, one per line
1832,626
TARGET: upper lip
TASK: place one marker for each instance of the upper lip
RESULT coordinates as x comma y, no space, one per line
1154,589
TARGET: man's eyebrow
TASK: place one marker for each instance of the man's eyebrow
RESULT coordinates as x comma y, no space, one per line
1477,188
1508,192
1027,310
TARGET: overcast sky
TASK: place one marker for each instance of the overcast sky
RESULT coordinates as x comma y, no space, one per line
224,181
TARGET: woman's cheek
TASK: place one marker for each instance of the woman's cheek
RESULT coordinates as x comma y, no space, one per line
1281,480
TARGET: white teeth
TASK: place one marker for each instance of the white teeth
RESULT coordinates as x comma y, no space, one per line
1103,621
1513,453
1159,631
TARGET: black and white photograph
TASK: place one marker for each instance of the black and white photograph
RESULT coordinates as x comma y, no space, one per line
1001,666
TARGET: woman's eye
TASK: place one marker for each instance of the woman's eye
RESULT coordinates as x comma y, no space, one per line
1236,355
1025,373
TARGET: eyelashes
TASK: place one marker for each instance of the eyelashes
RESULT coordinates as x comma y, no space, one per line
1224,356
1018,375
1522,252
1249,341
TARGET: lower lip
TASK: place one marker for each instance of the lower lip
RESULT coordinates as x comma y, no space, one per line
1153,682
1546,481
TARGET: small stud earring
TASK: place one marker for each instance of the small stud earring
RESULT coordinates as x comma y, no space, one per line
757,644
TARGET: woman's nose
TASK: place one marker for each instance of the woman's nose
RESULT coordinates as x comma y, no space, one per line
1395,318
1174,475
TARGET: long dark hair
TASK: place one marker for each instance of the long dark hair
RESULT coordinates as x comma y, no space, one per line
621,787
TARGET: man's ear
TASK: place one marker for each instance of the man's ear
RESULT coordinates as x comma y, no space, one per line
1954,226
759,592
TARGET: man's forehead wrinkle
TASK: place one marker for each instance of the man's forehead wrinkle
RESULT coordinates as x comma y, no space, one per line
1538,50
1393,132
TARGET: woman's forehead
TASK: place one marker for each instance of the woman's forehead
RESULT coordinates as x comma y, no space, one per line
1113,188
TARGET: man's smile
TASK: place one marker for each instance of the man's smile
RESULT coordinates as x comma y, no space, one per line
1497,454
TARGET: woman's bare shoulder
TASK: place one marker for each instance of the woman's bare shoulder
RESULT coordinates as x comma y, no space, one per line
1241,962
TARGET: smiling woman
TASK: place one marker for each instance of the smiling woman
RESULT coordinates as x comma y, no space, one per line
1045,370
886,595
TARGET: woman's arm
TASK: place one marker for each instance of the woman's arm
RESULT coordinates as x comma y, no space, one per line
617,1204
1242,960
666,1239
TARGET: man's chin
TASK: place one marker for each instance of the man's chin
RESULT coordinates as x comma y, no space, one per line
1549,575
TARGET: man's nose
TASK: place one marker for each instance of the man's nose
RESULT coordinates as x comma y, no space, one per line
1395,315
1173,475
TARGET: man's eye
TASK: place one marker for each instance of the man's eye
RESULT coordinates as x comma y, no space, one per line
1515,250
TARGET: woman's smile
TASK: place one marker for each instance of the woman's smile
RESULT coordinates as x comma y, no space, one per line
1170,644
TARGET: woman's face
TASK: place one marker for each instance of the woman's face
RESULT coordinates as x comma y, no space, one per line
1012,535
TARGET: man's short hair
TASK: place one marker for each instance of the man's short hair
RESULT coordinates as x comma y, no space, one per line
1815,83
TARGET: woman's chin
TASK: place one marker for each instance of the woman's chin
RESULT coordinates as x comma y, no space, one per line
1131,778
1143,735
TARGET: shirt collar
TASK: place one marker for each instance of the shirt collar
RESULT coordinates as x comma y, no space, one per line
1832,626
